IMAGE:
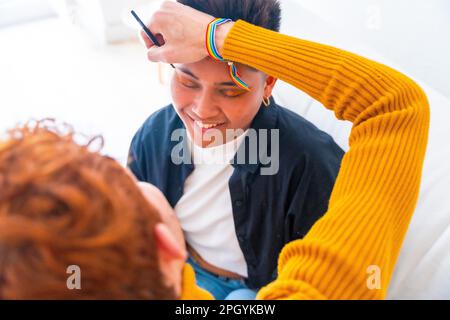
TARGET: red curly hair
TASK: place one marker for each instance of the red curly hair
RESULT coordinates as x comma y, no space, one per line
62,204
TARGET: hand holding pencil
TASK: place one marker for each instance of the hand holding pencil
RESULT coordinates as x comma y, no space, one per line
180,32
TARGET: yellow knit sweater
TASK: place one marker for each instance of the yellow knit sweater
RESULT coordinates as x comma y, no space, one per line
377,187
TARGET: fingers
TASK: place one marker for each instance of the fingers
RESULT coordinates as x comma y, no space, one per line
155,54
161,54
170,5
180,31
145,40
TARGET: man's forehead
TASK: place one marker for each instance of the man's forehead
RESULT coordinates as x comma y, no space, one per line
213,71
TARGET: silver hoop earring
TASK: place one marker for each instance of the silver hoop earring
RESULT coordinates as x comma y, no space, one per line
266,101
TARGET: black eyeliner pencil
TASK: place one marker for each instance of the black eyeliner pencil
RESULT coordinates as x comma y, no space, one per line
147,31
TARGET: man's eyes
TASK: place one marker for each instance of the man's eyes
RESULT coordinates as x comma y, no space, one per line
188,83
229,93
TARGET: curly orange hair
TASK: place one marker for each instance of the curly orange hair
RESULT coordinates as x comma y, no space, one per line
62,204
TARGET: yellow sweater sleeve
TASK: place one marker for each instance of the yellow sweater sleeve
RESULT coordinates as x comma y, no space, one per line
190,291
377,187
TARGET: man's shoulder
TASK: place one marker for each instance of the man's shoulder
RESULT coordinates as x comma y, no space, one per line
151,144
302,138
160,123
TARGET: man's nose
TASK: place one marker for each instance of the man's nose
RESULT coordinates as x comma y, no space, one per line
205,106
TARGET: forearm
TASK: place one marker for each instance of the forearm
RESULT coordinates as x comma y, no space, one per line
344,82
378,183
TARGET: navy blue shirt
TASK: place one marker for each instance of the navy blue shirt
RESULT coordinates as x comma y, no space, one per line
269,210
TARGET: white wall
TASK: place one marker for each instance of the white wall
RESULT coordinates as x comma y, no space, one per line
49,68
102,20
414,34
19,11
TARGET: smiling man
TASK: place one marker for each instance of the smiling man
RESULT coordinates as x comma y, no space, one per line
235,218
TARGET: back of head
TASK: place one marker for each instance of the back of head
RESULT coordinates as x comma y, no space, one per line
63,205
263,13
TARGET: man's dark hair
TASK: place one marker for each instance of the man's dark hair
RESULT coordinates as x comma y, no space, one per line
263,13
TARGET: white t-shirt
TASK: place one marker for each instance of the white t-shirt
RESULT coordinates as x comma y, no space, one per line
205,210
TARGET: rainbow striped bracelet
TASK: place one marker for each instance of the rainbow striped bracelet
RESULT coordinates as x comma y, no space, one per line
214,53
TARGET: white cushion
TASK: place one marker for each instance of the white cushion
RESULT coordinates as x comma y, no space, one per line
423,267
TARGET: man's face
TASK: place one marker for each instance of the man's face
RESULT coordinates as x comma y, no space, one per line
206,98
170,240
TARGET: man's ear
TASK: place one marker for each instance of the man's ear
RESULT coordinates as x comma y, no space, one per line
166,244
269,83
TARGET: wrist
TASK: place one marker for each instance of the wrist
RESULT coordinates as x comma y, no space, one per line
221,34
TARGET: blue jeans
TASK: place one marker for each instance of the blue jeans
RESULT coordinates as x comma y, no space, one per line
222,288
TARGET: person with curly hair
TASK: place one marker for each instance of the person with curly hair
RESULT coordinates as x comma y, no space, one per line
63,205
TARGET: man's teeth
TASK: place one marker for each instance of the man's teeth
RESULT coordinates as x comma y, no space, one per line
207,126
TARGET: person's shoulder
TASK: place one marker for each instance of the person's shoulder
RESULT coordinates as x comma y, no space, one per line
302,138
159,124
161,121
